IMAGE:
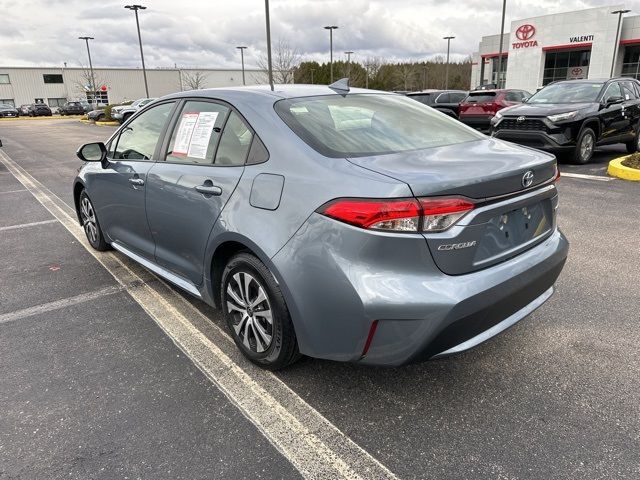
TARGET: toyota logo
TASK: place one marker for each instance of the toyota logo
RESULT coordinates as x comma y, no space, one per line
520,119
525,32
527,179
576,71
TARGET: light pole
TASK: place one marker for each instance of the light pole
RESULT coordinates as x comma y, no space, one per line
504,9
348,63
93,78
269,65
242,49
331,28
312,70
615,47
446,69
135,9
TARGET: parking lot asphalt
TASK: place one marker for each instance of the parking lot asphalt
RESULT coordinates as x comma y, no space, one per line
95,388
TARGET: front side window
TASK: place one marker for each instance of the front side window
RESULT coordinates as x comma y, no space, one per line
613,90
628,91
364,124
444,98
138,139
196,133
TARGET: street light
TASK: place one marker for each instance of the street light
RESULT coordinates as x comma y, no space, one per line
312,70
242,49
446,70
348,63
615,47
504,8
331,28
93,78
268,22
135,9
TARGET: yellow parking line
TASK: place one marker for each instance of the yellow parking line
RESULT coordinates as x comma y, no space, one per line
315,447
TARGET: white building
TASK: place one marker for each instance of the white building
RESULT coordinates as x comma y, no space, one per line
54,86
560,46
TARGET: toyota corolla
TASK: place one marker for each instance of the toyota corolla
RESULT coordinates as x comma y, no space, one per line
337,223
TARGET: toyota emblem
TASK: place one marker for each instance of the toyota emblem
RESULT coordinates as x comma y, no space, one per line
525,32
520,119
527,179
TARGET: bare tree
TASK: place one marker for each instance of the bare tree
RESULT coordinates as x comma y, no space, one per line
406,76
84,85
194,80
284,59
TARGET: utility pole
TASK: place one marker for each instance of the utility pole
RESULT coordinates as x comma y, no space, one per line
135,9
312,70
615,47
504,9
93,78
242,49
331,28
269,64
348,63
446,69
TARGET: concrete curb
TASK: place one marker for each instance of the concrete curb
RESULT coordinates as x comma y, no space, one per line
616,169
100,123
53,117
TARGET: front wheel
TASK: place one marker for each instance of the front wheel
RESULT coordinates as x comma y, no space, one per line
90,223
634,145
256,313
584,147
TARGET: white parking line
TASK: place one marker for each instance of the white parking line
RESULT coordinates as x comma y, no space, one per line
58,304
586,177
315,447
13,191
27,225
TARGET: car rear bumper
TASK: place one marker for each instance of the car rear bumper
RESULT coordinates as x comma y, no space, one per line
338,280
481,122
537,139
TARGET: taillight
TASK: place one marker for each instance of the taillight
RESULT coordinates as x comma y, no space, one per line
399,215
556,177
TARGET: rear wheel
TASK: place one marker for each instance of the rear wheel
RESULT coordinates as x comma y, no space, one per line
634,145
256,313
126,117
90,223
584,147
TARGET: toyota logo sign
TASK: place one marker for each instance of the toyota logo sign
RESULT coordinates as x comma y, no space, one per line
527,179
576,71
525,32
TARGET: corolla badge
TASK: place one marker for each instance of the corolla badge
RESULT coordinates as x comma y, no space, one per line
527,179
457,246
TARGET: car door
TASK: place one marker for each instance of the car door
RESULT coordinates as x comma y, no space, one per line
119,190
204,159
615,124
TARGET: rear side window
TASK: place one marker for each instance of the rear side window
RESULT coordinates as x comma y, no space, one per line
360,125
196,133
234,143
426,99
457,97
138,139
443,98
481,97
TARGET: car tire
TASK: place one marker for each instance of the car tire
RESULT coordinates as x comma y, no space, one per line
585,146
90,223
126,117
256,313
634,145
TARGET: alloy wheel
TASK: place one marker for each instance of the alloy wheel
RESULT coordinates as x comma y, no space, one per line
89,220
586,147
249,305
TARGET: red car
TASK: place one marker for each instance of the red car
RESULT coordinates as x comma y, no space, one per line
480,106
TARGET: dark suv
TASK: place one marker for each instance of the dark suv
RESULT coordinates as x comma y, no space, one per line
71,108
480,106
38,110
447,101
575,116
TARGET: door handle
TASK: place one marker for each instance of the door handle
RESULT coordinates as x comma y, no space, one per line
208,189
136,181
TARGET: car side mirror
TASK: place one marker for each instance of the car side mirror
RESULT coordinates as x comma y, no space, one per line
613,100
93,152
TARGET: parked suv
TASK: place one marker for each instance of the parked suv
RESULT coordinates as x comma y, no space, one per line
71,108
38,110
447,101
575,116
480,106
123,112
7,110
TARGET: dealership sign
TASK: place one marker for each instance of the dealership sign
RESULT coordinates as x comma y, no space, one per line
581,39
525,33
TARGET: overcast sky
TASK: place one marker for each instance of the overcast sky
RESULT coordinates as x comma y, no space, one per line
203,33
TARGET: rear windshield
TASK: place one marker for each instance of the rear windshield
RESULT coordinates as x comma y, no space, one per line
481,97
567,93
360,125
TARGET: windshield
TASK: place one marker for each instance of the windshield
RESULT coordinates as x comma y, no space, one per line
567,93
363,124
4,105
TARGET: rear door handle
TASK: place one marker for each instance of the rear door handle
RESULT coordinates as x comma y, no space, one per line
136,181
207,189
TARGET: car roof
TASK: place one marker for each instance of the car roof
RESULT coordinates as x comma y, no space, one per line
431,90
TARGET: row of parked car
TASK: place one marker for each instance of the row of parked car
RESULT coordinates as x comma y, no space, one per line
570,117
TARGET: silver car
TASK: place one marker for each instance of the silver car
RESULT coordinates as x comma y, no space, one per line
344,224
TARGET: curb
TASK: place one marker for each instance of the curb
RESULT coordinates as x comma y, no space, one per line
616,169
101,123
53,117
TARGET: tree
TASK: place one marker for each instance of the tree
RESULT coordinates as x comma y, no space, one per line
193,80
284,59
84,85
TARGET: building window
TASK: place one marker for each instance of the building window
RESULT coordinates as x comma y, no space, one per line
52,78
7,101
566,65
56,102
631,62
100,97
4,78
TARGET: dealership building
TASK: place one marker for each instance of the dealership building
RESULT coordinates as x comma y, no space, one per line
54,86
571,45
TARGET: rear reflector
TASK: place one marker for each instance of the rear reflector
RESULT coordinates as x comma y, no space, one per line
399,215
372,332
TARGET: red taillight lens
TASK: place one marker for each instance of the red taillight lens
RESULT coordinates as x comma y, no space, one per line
399,215
556,177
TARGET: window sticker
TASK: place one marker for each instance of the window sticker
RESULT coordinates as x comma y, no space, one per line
202,134
185,131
